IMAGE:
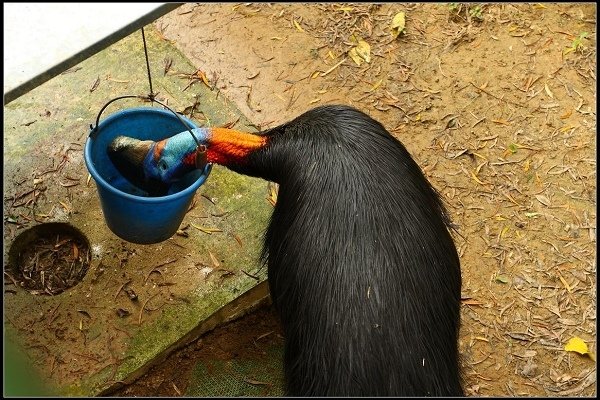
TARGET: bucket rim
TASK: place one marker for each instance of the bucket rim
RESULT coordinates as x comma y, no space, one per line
149,200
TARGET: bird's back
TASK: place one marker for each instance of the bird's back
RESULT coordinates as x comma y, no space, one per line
362,268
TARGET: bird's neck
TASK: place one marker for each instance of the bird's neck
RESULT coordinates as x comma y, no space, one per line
226,147
229,147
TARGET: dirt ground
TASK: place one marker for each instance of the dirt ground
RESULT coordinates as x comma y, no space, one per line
496,102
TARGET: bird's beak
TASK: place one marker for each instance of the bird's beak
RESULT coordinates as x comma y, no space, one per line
129,152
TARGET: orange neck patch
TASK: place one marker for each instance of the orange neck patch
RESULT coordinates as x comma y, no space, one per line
228,146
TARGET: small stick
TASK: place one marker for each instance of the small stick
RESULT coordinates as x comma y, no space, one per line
251,276
121,288
144,307
334,67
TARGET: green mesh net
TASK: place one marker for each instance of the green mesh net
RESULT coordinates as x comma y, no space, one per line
240,377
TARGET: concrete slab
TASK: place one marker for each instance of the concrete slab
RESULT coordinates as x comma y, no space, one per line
185,286
64,35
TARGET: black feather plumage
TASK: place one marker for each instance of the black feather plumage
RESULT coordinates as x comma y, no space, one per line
362,268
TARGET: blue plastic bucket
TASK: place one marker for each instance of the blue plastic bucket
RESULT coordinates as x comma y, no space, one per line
128,211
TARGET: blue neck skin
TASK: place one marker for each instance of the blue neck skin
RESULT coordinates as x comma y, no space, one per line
171,158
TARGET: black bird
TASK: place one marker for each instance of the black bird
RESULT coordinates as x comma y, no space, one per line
362,267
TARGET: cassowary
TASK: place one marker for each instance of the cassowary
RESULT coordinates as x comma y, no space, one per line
361,265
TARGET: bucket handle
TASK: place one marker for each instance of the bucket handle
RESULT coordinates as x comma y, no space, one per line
201,158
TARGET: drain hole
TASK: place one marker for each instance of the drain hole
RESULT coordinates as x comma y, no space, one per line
48,259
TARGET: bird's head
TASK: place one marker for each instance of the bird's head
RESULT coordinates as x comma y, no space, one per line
150,164
161,163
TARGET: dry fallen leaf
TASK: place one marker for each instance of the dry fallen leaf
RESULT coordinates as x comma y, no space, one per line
375,86
354,56
397,26
363,49
543,199
273,190
297,25
548,92
361,52
214,260
203,77
471,302
567,114
95,84
526,354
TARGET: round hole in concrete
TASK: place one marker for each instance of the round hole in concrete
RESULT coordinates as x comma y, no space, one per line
48,258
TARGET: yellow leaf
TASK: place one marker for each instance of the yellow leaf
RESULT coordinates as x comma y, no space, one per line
476,179
564,282
566,128
577,345
566,114
548,92
397,26
345,9
330,54
297,25
65,206
363,49
315,74
375,86
526,166
508,196
314,101
206,230
354,56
